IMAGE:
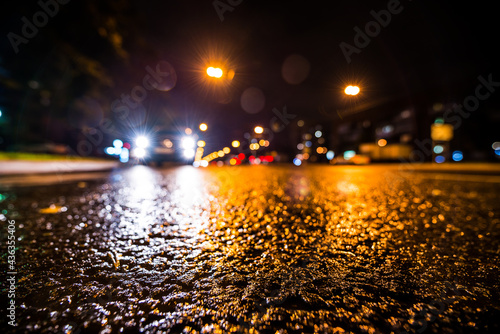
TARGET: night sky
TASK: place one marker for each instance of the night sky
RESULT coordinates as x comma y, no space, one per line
91,52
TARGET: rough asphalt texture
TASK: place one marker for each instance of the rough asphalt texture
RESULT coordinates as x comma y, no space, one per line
256,249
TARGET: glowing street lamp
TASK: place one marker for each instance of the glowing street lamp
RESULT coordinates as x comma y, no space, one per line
352,90
214,72
258,130
203,127
235,143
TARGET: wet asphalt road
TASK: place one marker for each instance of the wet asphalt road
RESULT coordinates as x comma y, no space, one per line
257,249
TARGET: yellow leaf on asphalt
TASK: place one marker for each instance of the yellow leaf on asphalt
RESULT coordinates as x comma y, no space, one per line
53,209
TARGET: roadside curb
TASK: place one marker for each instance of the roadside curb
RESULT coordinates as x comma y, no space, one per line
11,168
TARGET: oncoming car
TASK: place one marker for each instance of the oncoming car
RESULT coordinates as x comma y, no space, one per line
164,146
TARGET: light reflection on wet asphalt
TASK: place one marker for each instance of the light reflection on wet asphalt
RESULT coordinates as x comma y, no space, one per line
259,249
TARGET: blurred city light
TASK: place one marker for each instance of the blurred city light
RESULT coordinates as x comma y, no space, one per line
349,154
297,162
440,159
188,143
124,155
254,147
352,90
235,143
226,150
496,145
139,152
142,142
109,150
117,143
258,129
168,143
382,142
438,149
457,156
188,131
441,132
214,72
318,134
188,153
203,127
201,143
330,155
388,129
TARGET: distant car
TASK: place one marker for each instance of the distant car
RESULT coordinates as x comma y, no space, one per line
164,146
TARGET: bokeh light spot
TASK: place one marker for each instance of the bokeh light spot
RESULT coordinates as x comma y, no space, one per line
295,69
252,100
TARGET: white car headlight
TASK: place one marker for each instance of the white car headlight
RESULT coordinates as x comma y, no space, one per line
142,142
189,153
139,152
188,143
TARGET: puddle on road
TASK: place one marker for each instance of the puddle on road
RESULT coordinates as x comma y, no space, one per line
259,249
